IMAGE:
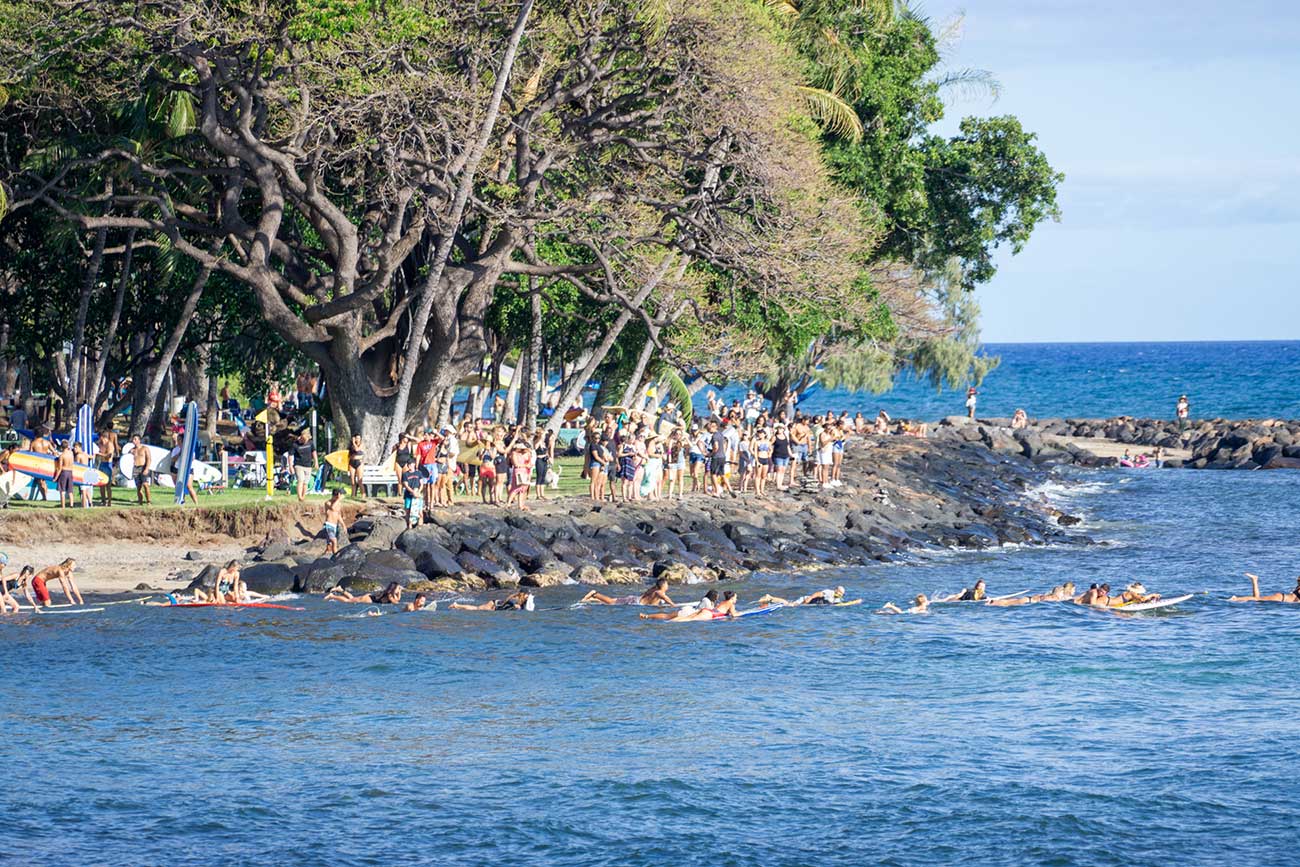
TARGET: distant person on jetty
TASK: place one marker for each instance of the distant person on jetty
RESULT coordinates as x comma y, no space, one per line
391,595
333,524
920,605
1181,411
970,402
725,608
141,471
7,600
1020,420
1290,598
518,601
656,595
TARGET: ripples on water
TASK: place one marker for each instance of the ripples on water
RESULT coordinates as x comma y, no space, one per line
1045,734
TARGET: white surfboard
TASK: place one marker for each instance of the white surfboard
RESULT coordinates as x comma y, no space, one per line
1150,606
200,472
126,465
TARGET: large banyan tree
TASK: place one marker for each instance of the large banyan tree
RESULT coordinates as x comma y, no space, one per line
368,171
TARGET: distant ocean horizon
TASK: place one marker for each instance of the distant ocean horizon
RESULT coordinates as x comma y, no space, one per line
1222,379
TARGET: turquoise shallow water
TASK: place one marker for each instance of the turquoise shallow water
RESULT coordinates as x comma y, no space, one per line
1040,735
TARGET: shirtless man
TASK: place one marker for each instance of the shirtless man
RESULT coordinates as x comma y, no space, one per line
42,446
1097,595
39,582
142,471
656,595
420,603
105,454
63,475
519,601
800,436
725,608
333,521
920,605
1291,598
7,601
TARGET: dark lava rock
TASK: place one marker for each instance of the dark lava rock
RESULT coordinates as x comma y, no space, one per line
270,578
1068,520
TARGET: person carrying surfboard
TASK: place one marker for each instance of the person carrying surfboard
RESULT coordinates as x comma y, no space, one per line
141,471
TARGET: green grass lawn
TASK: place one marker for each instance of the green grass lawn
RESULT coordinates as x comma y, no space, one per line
571,484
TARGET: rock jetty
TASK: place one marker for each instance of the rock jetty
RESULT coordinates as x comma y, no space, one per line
898,495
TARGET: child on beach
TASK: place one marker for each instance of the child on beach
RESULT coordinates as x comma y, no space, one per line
333,521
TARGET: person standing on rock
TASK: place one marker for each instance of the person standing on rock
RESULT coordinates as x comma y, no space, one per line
800,437
333,521
1181,411
971,398
718,461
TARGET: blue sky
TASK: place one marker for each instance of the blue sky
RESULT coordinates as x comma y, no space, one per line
1178,128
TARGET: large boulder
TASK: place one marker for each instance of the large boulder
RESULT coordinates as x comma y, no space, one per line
496,574
353,554
204,579
590,575
383,533
551,577
413,541
275,546
323,575
270,578
622,575
390,559
527,551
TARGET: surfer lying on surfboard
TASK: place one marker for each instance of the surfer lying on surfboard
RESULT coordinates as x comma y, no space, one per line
921,606
656,595
1292,598
1059,593
391,595
977,593
519,601
1098,596
829,596
725,608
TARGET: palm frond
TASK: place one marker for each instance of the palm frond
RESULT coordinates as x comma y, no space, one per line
680,393
834,114
182,117
970,84
4,201
657,16
783,8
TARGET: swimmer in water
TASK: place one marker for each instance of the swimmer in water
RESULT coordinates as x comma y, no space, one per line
391,595
1291,598
514,602
419,604
967,594
656,595
1134,594
821,597
1059,593
725,608
920,605
7,601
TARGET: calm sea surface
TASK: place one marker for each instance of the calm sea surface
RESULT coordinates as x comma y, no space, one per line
1097,380
1045,734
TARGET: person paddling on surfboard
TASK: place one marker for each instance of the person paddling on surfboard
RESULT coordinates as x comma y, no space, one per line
656,595
725,608
1134,594
828,596
518,601
1290,598
391,595
967,594
921,605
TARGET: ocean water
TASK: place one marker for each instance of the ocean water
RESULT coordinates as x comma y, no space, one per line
1255,379
1047,734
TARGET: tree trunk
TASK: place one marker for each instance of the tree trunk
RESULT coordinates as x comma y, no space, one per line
638,373
427,295
531,399
110,336
157,372
75,386
213,404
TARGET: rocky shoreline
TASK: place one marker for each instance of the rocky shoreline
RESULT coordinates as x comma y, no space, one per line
1215,444
898,495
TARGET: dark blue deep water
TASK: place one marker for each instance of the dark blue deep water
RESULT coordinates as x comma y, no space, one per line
1041,735
1098,380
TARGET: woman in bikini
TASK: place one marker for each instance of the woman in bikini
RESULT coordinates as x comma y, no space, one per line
518,601
725,608
656,595
921,605
391,595
1291,598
